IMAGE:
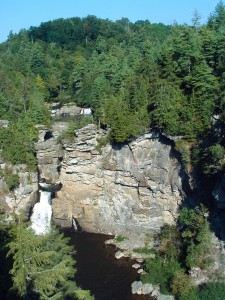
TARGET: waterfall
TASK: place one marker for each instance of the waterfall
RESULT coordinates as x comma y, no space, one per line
75,225
86,111
42,212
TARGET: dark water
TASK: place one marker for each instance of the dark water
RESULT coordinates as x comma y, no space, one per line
99,271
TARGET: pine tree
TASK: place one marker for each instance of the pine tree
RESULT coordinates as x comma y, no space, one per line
5,264
167,105
43,267
217,18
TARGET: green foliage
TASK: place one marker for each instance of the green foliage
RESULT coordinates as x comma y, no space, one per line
70,293
132,75
181,285
208,154
163,268
199,252
37,112
197,236
168,101
124,124
192,221
5,263
183,147
120,238
180,249
217,18
212,290
144,250
170,243
43,266
17,144
102,141
77,123
10,178
193,294
217,151
160,272
214,159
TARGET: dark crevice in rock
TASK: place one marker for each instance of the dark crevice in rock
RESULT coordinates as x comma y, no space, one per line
36,199
49,187
205,189
48,135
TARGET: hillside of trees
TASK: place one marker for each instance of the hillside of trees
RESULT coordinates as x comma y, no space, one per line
134,76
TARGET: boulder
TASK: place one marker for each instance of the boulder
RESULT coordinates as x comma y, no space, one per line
136,287
140,288
119,254
136,266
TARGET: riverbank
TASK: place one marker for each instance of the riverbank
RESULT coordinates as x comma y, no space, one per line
99,271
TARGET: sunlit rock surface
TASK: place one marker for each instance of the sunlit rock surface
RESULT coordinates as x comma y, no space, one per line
135,187
23,198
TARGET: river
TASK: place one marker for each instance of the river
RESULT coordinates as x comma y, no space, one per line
99,271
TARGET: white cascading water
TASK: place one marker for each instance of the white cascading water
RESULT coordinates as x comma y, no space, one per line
75,225
42,213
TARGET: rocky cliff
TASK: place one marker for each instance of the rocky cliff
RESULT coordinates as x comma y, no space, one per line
23,198
116,189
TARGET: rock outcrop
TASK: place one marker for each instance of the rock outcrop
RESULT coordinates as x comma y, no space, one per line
64,110
49,151
23,198
134,187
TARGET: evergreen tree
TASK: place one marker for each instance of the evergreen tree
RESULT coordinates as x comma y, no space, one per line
217,18
43,267
167,106
5,263
200,250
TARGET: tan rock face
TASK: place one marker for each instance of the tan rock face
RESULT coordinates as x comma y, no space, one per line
49,151
130,188
24,197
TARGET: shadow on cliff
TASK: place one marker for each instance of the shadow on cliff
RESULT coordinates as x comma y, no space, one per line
187,191
197,189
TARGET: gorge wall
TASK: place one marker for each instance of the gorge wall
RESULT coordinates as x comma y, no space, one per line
24,197
116,189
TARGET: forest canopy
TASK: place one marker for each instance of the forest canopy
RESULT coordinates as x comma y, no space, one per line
134,76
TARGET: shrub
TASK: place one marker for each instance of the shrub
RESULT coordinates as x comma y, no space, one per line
199,254
102,141
11,179
161,272
212,290
183,148
120,238
144,250
79,122
170,247
181,284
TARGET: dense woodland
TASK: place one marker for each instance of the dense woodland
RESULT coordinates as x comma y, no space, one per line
135,77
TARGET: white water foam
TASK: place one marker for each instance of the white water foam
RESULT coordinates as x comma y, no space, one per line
75,225
42,213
